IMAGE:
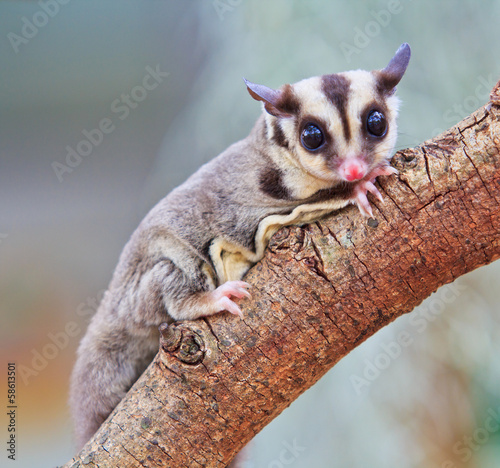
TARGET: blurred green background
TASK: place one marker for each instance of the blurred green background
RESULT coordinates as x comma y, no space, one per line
427,398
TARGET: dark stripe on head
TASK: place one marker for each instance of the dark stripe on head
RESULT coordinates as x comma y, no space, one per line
271,183
278,136
336,89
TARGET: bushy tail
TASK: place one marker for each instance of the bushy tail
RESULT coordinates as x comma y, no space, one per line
109,362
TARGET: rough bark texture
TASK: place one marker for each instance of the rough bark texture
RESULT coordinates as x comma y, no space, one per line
319,292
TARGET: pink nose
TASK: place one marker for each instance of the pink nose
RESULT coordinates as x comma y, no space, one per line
353,172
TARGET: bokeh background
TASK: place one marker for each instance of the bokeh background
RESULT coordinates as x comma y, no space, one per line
424,392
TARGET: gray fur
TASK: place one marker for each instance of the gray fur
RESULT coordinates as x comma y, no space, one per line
212,228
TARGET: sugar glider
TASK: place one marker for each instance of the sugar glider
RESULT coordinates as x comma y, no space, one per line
319,145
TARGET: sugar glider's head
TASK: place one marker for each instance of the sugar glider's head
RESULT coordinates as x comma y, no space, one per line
338,127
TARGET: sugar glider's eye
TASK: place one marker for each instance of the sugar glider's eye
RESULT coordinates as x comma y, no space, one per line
311,137
376,123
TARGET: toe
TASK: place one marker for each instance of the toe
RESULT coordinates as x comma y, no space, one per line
230,306
374,191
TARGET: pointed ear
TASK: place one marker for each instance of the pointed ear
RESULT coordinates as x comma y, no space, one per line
391,75
273,99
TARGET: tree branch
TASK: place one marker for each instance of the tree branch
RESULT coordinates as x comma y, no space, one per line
320,291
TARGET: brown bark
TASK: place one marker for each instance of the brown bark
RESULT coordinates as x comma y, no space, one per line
319,292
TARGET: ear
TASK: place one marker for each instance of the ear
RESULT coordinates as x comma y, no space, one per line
272,98
391,75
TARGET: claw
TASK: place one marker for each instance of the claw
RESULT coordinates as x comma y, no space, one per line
382,171
367,185
233,288
373,190
362,201
230,306
222,296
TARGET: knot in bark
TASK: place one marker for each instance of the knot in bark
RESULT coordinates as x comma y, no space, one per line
181,342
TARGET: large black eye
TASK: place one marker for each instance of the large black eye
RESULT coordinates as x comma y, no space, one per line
376,123
311,137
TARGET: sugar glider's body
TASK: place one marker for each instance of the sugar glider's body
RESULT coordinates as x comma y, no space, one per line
319,146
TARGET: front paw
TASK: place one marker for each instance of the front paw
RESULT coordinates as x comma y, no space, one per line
221,297
361,200
381,171
366,185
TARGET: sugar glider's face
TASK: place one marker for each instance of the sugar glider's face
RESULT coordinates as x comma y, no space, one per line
343,126
338,127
